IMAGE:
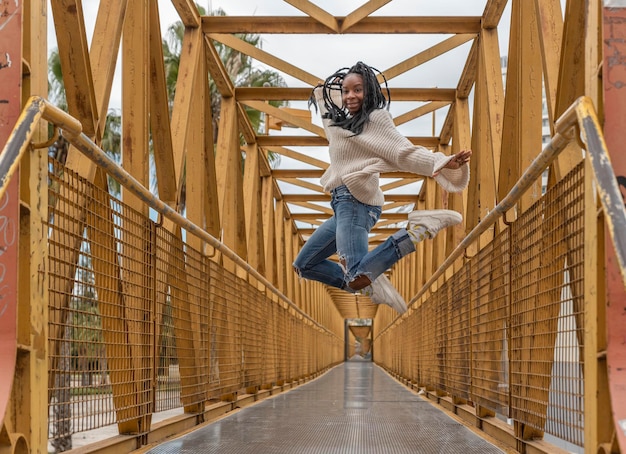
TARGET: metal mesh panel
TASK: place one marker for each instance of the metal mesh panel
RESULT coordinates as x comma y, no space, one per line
506,330
93,362
429,346
281,345
403,357
225,325
251,342
490,275
440,323
547,313
141,322
181,319
458,349
269,352
294,347
414,349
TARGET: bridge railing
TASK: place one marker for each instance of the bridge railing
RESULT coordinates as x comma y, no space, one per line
141,324
515,332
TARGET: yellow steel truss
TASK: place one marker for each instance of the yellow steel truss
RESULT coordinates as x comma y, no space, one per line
125,309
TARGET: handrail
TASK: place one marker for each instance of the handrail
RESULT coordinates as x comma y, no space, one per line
582,114
603,331
38,108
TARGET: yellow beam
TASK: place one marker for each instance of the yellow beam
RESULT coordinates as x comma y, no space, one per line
439,25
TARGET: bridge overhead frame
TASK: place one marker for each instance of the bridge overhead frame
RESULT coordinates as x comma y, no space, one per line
203,311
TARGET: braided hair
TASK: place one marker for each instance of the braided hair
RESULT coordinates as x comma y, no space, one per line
373,97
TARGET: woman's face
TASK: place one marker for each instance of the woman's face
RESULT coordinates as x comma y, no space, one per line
352,92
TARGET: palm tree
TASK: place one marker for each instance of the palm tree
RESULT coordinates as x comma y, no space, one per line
111,139
56,93
239,66
112,144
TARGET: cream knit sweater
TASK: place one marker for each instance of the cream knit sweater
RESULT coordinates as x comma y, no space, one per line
357,161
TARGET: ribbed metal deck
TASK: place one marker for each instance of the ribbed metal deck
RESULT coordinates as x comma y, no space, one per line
355,408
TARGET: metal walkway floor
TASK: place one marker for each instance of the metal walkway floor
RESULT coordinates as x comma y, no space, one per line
355,408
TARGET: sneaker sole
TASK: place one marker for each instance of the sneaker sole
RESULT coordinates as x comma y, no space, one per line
415,216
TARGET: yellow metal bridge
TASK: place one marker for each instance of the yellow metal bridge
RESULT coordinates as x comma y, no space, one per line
130,316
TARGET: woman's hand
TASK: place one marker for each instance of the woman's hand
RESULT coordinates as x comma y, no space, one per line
459,159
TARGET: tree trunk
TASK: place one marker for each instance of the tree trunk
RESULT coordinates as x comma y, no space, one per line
62,426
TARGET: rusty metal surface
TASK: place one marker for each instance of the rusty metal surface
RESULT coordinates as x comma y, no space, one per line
354,408
614,81
11,76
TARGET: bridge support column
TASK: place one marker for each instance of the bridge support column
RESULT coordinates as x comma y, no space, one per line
614,85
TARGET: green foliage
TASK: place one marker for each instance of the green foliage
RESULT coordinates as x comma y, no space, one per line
240,68
56,88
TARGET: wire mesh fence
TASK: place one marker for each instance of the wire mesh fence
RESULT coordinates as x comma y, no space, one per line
506,330
140,322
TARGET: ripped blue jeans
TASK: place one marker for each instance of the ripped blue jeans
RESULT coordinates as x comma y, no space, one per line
347,233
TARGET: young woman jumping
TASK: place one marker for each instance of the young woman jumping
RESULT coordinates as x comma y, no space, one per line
363,143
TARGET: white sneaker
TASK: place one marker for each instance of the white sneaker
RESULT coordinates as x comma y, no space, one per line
434,220
385,293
